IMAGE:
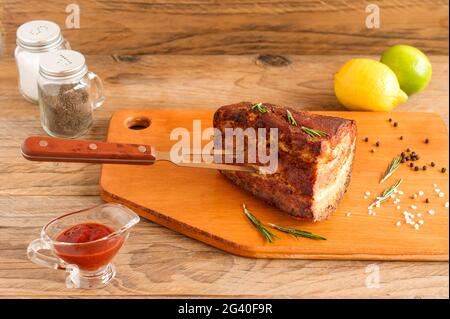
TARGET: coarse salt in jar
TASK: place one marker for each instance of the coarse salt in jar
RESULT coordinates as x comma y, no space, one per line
34,39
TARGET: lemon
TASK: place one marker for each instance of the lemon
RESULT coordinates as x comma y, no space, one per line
368,85
410,65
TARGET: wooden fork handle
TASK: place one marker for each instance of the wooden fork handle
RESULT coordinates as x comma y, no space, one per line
51,149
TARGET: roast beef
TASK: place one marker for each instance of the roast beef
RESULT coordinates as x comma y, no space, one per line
313,172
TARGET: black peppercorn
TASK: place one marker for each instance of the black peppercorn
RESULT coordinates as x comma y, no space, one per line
416,168
427,141
402,160
424,167
366,139
395,124
433,164
390,120
401,137
443,169
427,200
377,144
411,164
407,158
372,150
417,157
413,154
408,149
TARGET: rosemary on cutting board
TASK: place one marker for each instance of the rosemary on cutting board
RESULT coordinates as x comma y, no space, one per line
387,192
290,118
313,133
259,107
269,236
297,232
395,163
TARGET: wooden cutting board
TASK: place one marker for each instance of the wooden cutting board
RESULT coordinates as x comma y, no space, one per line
202,204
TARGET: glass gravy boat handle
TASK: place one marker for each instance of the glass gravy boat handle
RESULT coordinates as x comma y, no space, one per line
35,255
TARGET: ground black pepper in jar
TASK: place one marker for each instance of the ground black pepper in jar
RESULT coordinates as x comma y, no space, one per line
65,99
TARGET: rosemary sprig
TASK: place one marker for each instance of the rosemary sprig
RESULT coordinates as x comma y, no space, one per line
314,133
259,107
297,232
290,118
395,163
255,221
387,192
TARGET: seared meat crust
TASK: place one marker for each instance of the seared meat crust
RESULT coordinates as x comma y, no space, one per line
312,175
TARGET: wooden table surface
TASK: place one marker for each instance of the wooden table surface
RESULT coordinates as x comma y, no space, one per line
324,27
157,262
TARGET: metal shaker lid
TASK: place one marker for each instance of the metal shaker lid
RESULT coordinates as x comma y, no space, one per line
38,34
62,64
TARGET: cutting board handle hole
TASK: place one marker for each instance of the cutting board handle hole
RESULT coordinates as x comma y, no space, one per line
138,123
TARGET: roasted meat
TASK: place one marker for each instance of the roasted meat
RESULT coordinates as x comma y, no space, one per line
312,173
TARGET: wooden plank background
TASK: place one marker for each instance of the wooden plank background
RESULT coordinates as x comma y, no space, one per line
237,26
182,54
156,262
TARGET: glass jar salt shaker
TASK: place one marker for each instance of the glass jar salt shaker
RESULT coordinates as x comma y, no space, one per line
68,94
34,39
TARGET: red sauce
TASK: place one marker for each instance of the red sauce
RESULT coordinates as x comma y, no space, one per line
89,255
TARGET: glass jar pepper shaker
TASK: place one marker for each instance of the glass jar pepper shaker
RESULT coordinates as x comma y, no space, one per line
68,94
34,39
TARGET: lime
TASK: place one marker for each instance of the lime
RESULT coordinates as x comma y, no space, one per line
410,65
369,85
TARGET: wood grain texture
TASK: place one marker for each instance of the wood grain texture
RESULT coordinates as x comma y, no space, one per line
155,261
238,27
211,81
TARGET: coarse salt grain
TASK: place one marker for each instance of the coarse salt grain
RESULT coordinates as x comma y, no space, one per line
441,194
421,193
349,214
435,185
437,190
446,205
365,197
367,193
413,207
419,215
399,224
398,207
431,212
416,226
414,196
392,196
400,192
421,222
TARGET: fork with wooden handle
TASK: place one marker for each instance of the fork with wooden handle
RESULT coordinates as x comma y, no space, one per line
51,149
